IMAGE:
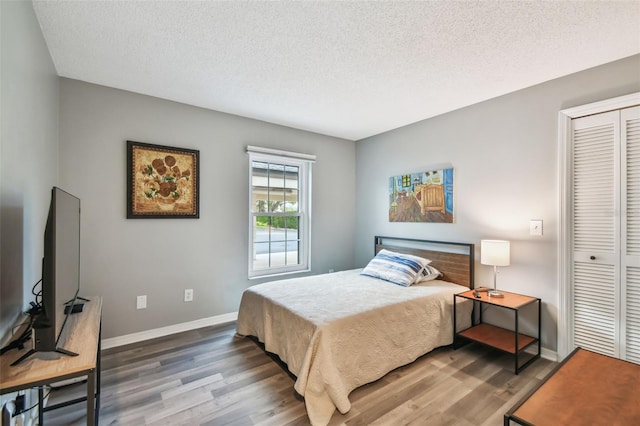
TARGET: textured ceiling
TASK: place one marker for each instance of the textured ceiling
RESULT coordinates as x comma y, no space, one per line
346,69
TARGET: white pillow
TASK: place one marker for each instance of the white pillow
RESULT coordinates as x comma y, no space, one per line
398,268
428,273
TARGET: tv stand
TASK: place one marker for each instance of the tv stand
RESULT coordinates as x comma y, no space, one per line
68,302
81,336
42,344
76,308
33,351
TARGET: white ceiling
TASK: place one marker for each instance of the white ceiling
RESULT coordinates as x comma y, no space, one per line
347,69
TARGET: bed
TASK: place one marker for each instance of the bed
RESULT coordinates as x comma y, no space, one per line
341,330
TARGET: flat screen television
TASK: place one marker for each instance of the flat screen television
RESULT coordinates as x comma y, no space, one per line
60,273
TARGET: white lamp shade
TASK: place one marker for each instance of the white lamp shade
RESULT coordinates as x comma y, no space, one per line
495,252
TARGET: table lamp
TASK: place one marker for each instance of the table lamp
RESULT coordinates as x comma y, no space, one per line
494,253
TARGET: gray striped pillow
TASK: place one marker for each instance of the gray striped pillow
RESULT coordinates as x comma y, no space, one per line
398,268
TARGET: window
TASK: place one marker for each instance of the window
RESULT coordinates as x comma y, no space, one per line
279,212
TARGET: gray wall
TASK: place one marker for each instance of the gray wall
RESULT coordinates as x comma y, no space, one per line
161,257
28,154
504,152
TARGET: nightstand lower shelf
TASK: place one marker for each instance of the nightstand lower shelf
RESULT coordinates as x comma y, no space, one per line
497,337
510,341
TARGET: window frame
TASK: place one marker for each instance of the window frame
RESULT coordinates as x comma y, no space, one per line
304,213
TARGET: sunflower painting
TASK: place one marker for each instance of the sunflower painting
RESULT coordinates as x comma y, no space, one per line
162,181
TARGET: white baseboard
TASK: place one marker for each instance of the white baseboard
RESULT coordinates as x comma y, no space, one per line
544,353
127,339
549,354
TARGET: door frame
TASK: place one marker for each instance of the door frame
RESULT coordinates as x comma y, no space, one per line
565,310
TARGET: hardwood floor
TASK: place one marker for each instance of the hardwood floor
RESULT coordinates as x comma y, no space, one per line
211,376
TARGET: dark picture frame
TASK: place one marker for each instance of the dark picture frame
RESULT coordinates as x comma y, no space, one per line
162,182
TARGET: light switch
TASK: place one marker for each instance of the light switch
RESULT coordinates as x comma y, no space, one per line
535,227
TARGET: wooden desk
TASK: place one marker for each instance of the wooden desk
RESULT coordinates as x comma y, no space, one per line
585,389
80,335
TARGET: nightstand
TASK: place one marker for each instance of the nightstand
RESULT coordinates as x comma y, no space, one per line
510,341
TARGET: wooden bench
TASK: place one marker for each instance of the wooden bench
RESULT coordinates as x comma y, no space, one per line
586,388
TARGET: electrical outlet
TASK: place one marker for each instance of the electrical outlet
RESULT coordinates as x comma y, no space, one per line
331,271
188,295
141,302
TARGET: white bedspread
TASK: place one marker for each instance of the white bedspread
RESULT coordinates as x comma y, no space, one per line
339,331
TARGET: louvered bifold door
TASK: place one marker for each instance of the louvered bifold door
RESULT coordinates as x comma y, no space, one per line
596,232
630,259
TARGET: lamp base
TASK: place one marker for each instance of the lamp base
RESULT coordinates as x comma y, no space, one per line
495,293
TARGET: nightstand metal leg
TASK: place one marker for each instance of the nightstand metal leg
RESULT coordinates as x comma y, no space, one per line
539,326
455,328
516,348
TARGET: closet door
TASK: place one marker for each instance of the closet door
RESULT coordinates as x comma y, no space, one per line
596,232
630,271
606,233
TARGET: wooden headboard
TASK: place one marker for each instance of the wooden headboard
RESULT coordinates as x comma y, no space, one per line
454,260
